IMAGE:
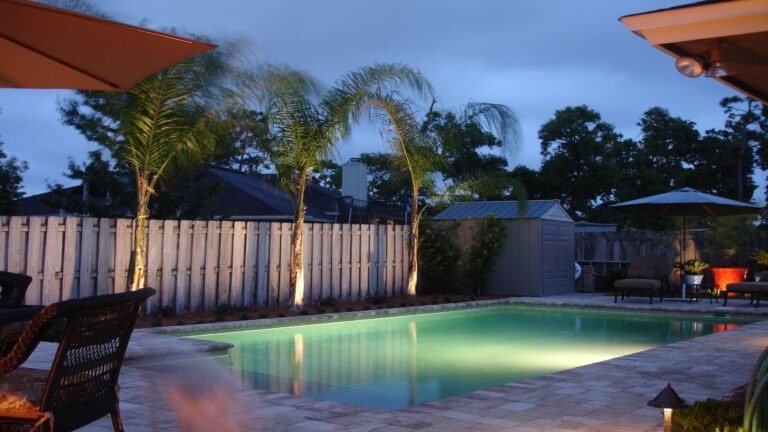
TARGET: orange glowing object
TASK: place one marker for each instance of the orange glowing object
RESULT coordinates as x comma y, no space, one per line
722,276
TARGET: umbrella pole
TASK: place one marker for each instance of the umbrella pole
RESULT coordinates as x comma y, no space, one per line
683,247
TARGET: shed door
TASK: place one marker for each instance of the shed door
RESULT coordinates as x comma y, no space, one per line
558,257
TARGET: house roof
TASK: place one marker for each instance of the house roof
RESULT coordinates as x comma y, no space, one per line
739,28
536,209
258,197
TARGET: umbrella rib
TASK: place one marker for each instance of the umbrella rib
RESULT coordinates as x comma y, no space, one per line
62,62
711,213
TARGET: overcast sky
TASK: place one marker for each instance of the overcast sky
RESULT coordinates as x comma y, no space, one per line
534,56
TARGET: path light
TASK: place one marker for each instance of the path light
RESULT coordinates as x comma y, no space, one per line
668,400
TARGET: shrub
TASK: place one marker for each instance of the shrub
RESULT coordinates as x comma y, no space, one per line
709,415
487,243
438,258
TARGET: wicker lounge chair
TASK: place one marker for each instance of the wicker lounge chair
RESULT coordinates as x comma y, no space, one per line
13,288
648,274
81,385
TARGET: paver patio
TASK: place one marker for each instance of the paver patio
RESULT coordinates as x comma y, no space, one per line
605,396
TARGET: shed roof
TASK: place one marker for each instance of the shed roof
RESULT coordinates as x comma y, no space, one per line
537,209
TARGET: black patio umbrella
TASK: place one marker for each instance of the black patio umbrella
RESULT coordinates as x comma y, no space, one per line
687,202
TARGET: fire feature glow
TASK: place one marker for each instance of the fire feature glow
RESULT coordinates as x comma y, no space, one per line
722,276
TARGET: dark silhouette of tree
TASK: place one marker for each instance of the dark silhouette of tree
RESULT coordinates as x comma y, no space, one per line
10,182
580,166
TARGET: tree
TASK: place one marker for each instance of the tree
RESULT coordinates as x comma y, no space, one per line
10,182
329,175
164,126
658,162
385,181
488,241
415,153
106,191
745,127
168,119
661,158
580,154
721,166
467,139
308,123
244,142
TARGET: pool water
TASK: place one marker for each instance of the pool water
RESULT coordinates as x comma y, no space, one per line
395,362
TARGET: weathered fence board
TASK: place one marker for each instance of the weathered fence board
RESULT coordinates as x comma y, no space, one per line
197,268
262,269
200,265
183,266
211,264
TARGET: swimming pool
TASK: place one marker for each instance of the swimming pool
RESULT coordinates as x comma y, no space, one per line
394,362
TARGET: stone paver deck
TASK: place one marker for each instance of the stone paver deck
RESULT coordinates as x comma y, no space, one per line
606,396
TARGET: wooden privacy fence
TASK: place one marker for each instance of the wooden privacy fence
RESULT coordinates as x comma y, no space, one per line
200,265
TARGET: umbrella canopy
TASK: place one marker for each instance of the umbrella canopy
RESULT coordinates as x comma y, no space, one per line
687,202
43,46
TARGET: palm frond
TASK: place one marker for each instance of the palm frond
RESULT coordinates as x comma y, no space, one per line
347,99
498,119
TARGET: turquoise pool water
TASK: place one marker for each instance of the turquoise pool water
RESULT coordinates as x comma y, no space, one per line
395,362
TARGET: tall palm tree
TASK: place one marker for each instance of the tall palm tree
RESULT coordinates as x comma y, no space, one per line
308,123
166,121
416,150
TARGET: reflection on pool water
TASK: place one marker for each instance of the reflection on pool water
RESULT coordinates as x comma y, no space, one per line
399,361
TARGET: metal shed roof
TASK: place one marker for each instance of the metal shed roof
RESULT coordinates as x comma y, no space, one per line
537,209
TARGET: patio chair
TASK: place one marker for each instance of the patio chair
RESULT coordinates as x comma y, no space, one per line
13,288
81,385
648,274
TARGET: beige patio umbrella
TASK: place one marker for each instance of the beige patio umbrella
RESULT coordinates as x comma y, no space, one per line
47,47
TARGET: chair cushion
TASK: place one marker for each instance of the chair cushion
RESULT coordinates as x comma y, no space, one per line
642,271
21,390
651,284
748,287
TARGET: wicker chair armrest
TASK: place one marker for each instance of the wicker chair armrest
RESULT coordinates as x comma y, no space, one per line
28,340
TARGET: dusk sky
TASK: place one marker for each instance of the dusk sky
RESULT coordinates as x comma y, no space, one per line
534,56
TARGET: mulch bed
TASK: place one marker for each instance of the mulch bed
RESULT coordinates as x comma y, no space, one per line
227,314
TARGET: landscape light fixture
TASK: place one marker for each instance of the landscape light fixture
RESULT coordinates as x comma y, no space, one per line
668,400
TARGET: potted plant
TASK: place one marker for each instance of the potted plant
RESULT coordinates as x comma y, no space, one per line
761,257
692,271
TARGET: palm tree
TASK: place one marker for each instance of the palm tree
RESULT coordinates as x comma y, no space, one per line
415,150
308,123
167,120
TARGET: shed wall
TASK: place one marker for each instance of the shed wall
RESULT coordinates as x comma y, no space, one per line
518,268
537,259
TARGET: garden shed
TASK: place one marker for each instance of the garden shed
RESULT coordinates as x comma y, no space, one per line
538,256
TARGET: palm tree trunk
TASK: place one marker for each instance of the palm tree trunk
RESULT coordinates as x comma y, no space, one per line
413,266
140,234
296,292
